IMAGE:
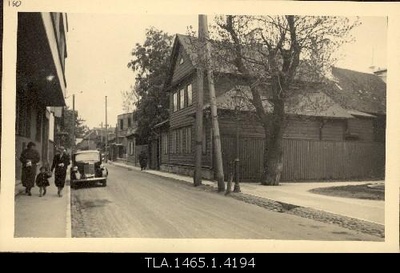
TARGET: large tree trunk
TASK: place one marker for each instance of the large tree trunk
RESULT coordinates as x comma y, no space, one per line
273,163
273,151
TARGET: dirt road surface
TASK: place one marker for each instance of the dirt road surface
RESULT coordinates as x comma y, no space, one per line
136,204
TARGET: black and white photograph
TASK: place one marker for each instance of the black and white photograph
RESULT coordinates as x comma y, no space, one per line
221,127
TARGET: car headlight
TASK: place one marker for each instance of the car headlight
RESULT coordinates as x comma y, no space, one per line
75,168
102,166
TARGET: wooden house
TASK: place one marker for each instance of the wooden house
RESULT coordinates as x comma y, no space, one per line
335,132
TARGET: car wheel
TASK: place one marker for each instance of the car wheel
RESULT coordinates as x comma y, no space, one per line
73,185
104,183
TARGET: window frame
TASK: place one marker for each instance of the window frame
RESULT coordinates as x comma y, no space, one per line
175,101
189,102
181,98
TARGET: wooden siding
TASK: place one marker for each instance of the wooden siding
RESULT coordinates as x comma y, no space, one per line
181,70
326,160
250,156
364,128
246,128
188,158
185,116
333,130
302,129
309,159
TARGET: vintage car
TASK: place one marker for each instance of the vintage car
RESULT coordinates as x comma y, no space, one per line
87,166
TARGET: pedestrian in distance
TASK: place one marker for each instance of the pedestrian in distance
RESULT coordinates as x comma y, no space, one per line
42,180
29,158
60,164
143,160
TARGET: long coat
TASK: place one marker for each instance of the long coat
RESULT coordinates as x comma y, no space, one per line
60,171
42,179
29,170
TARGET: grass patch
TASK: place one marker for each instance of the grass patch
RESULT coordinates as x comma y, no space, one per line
365,191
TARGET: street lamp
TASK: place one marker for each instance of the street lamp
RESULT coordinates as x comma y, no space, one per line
238,100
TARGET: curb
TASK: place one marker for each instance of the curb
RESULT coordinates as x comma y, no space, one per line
68,227
360,225
18,189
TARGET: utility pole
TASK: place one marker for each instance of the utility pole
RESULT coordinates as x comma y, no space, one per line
213,104
106,159
73,124
199,111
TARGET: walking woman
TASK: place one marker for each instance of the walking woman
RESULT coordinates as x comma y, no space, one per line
29,158
60,164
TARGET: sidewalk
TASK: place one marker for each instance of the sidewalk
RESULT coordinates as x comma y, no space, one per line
298,194
42,217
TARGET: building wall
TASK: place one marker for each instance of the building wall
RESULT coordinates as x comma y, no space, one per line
362,127
41,52
34,134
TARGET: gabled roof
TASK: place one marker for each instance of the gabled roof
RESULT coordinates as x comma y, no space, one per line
360,94
358,91
315,103
190,45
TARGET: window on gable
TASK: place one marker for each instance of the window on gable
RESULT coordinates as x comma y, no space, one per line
189,95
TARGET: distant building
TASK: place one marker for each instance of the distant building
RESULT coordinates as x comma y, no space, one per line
40,81
123,132
96,138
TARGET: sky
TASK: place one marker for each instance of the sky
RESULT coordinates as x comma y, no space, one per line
99,48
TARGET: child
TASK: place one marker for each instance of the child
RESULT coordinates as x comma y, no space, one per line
42,180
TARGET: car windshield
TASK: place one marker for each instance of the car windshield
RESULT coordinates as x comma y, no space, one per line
87,157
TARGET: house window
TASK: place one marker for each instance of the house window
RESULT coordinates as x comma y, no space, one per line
129,122
173,142
188,140
164,138
23,117
121,124
189,95
182,99
175,101
180,140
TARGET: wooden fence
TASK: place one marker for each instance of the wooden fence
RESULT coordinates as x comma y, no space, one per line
309,159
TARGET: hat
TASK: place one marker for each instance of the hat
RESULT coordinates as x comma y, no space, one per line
30,144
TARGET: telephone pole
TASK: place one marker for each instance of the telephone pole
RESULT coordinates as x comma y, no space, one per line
106,147
213,103
199,112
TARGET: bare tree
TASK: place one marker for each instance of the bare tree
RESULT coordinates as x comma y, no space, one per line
130,99
271,53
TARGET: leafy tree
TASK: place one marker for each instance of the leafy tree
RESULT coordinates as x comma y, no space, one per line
151,64
271,53
80,128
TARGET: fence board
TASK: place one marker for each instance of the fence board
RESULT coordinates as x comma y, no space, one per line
309,159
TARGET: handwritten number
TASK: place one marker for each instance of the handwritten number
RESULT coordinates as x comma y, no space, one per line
14,3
